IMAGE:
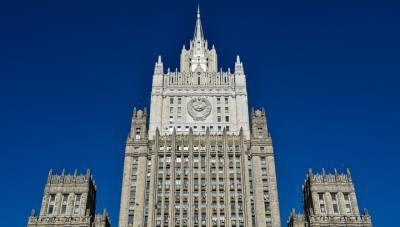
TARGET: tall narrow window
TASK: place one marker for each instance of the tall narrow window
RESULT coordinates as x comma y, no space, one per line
50,205
260,133
226,118
137,134
77,204
198,80
335,206
347,202
322,203
64,204
130,219
226,100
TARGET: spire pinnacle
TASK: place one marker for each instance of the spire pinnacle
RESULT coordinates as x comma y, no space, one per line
198,32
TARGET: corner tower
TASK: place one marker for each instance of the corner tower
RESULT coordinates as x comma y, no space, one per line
329,200
69,201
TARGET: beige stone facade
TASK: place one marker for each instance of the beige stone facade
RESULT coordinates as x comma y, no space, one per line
199,158
199,179
201,162
329,200
69,201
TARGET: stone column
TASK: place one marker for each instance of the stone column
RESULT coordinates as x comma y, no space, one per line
341,203
153,184
227,199
126,181
273,188
140,187
171,222
328,203
258,192
43,208
246,185
315,199
191,180
354,204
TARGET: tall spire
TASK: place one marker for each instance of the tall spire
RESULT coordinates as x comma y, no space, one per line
198,31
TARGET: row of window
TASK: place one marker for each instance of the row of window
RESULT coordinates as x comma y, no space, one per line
196,128
335,203
179,100
65,198
203,148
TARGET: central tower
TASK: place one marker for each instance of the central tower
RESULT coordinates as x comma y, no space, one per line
199,162
198,96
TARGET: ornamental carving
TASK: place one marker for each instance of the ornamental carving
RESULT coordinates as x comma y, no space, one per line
199,108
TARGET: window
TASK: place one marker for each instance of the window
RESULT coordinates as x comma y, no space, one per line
50,206
179,100
335,206
130,219
218,109
179,109
226,118
77,205
321,202
260,133
171,109
322,208
263,159
64,203
137,134
347,202
226,100
171,100
218,100
264,171
218,118
171,119
227,128
226,109
267,206
219,128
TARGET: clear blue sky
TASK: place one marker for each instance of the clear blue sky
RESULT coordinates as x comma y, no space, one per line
72,71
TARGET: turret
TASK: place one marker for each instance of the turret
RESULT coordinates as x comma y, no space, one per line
138,126
259,124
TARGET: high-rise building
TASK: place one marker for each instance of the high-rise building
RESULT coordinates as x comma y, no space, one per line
69,201
329,200
201,162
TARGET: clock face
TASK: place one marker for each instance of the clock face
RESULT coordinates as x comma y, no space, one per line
199,108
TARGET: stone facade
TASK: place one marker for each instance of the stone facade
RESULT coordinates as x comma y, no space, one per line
329,200
69,201
199,158
199,95
201,162
199,179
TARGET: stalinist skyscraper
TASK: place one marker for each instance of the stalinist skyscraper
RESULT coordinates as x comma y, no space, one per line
203,159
